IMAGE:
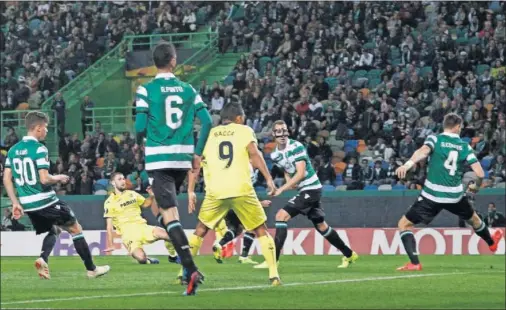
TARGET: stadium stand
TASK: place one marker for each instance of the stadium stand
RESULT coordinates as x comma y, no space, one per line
361,84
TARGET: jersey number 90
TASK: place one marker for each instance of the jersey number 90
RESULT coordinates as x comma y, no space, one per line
173,114
25,169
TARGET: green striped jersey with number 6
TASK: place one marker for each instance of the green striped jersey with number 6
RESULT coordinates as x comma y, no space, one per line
25,159
171,106
447,160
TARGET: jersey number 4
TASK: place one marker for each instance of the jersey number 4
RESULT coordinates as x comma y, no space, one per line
451,162
173,114
25,169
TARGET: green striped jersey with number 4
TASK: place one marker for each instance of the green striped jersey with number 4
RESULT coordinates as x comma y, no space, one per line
448,156
287,160
171,106
25,158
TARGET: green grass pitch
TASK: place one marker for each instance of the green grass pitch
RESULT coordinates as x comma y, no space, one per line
309,282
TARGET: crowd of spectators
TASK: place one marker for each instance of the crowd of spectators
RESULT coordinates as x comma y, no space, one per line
47,44
361,84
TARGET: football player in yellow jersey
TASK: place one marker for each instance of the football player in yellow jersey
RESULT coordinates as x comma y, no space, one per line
122,211
227,176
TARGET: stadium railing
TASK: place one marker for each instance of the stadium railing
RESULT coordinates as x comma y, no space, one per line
16,120
112,119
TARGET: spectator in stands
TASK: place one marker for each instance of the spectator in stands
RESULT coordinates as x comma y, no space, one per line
494,218
11,138
59,106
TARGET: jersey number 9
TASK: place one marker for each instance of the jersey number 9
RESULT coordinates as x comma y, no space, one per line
226,150
25,169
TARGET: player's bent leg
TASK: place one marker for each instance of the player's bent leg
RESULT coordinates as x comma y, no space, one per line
481,229
41,264
408,240
247,242
81,246
333,238
282,218
140,256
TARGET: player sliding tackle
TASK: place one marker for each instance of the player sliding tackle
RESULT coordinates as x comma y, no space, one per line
227,177
443,188
122,211
166,110
28,164
291,156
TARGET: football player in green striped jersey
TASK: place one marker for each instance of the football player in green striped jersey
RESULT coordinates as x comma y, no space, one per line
291,156
166,112
27,164
443,188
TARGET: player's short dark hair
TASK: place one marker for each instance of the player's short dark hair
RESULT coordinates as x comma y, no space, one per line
163,54
231,111
113,175
277,123
451,120
35,118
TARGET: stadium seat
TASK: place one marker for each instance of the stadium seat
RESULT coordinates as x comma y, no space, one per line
328,188
485,163
466,139
481,68
385,187
371,187
101,184
398,187
100,192
384,165
351,143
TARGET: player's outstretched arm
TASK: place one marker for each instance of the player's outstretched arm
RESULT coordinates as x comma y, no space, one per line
110,232
300,167
193,176
48,179
258,162
206,123
419,155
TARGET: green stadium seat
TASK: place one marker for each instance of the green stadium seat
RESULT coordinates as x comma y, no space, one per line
332,81
369,45
474,41
360,74
462,41
374,73
425,71
373,83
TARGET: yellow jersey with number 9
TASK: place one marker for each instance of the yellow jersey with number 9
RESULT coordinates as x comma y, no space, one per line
226,162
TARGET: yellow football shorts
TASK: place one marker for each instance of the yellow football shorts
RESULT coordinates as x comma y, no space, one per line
247,208
137,235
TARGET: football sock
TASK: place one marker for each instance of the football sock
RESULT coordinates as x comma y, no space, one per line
84,251
247,242
180,242
220,230
48,244
484,233
269,252
195,244
409,242
333,237
170,248
229,236
281,231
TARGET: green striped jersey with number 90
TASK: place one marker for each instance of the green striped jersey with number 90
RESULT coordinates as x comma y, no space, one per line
171,106
448,156
25,158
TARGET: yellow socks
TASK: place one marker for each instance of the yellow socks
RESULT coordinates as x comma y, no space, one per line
195,243
269,251
220,230
170,248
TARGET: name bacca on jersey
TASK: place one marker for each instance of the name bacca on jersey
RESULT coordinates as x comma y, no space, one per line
448,156
288,158
25,158
171,106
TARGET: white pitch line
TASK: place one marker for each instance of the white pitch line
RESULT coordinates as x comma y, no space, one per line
237,288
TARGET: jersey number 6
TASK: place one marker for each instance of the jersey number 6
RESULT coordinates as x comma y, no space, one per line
173,115
226,150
